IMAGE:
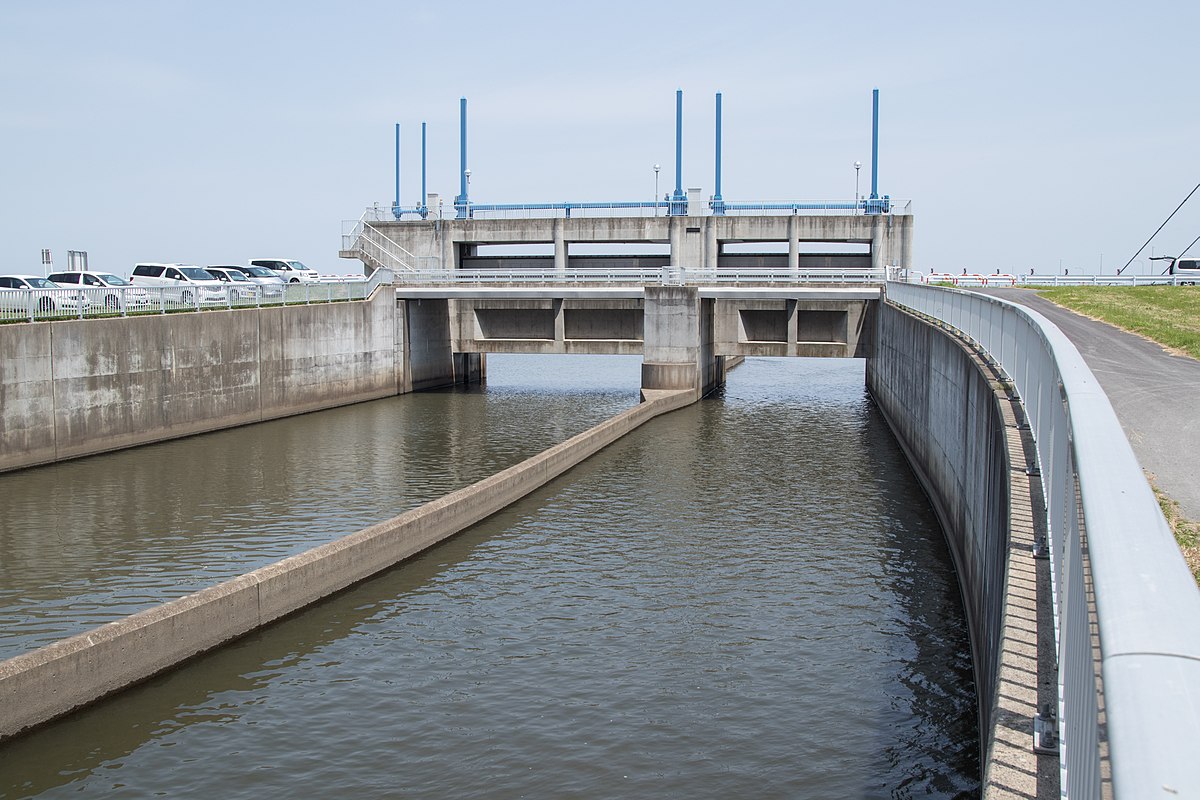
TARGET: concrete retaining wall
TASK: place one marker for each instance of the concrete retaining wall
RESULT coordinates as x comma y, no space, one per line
80,387
945,414
47,683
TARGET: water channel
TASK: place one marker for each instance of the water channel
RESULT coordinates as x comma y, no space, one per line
750,596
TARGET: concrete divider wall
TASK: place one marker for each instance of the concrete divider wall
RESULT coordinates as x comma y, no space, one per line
47,683
943,411
80,387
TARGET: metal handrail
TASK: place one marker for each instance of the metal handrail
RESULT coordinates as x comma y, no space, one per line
633,276
365,238
1009,279
1147,605
651,208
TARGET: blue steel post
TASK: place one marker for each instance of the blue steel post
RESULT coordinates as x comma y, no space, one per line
718,204
461,201
678,206
422,207
396,205
875,144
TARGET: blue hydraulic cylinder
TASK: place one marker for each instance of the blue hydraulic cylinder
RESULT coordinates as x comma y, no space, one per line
421,206
678,206
718,204
396,205
461,202
875,144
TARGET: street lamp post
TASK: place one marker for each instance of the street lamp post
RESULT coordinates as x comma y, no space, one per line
857,167
656,169
467,196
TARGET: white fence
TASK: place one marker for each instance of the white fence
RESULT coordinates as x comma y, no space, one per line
1003,279
1147,605
36,305
656,276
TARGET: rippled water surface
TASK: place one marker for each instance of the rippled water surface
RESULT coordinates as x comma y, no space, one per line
746,598
85,542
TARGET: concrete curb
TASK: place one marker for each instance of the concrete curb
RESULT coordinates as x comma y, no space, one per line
52,681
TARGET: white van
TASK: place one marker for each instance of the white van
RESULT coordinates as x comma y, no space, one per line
1187,268
185,283
289,269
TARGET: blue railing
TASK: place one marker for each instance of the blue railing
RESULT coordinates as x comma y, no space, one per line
669,206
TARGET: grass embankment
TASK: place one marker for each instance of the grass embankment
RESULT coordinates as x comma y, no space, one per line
1169,315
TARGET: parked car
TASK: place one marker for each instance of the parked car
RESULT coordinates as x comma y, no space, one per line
33,293
272,285
189,284
291,270
242,288
1187,268
104,289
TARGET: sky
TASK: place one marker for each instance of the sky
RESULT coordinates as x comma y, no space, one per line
1028,135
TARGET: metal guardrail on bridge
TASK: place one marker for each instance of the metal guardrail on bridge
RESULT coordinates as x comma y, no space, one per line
658,276
1147,605
1003,279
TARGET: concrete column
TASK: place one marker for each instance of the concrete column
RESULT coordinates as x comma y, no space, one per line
878,245
711,247
447,250
427,348
469,368
678,344
675,227
793,243
560,247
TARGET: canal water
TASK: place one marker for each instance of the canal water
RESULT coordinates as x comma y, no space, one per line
748,597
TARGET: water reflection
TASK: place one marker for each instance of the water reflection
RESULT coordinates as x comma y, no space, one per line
88,541
746,597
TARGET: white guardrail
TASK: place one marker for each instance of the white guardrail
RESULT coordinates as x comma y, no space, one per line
38,305
632,276
1147,605
1002,279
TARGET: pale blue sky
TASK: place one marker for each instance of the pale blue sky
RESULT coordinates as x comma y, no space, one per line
1025,134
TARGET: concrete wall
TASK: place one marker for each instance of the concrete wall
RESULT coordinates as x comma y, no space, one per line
47,683
695,240
79,387
945,414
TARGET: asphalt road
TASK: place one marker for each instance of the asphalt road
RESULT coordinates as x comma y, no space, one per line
1156,395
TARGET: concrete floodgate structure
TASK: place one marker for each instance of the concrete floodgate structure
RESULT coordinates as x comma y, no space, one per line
47,683
229,368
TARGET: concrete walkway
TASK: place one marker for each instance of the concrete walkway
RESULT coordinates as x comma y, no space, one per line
1156,395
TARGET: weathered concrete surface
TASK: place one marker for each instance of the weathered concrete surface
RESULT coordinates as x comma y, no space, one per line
80,387
960,433
47,683
26,394
695,241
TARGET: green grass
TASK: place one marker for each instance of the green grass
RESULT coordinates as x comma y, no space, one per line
1187,534
1169,315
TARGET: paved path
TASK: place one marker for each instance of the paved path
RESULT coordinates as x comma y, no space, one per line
1156,395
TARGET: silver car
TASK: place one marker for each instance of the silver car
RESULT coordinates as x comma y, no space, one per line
104,289
272,285
32,297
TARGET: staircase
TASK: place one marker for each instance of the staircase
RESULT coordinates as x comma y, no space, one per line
362,240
